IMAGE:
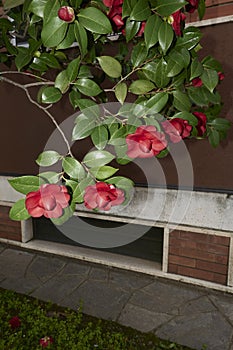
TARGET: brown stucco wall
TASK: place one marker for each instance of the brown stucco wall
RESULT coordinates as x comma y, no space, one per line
25,129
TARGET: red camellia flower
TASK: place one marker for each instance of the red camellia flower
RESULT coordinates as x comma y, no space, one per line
46,341
146,142
49,201
115,13
197,82
66,13
142,28
221,76
192,5
178,19
15,322
201,126
177,129
103,196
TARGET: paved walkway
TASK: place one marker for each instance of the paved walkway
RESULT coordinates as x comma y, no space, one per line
179,312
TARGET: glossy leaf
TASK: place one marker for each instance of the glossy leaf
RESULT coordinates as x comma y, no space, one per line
118,137
88,87
187,116
140,86
50,10
121,92
18,211
25,184
69,38
94,20
9,4
128,7
181,101
23,58
83,127
99,137
110,66
161,80
121,182
165,36
49,60
131,29
81,37
214,137
62,81
98,158
74,97
191,37
167,7
139,54
50,94
210,79
53,32
37,7
50,176
196,68
80,189
104,172
48,158
73,168
141,11
156,103
151,30
72,69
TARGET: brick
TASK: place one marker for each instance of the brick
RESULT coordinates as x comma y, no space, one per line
200,274
175,233
214,12
210,266
213,248
11,236
12,229
11,223
174,250
221,259
172,268
197,254
222,279
193,236
180,260
210,3
220,240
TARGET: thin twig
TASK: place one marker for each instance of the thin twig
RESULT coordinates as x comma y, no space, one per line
24,88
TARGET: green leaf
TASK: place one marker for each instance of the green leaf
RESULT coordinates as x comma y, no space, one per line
210,63
37,7
151,31
149,70
191,37
181,101
50,60
50,94
161,80
131,29
94,20
62,81
80,189
139,54
176,61
165,36
23,58
18,211
199,96
74,97
104,172
98,158
99,137
69,38
156,103
88,87
48,158
139,87
201,9
53,32
50,10
196,69
110,66
81,37
72,69
214,137
84,127
220,124
50,176
121,92
121,182
25,184
167,7
141,11
127,7
118,137
73,168
9,4
210,79
67,214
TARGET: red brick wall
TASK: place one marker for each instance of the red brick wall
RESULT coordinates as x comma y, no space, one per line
214,9
9,229
199,256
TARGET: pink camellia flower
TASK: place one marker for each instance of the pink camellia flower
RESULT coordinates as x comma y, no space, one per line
221,76
201,126
197,82
66,13
15,322
177,21
177,129
46,341
146,142
192,5
115,13
49,201
103,196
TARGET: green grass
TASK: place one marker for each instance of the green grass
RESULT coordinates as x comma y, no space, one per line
70,330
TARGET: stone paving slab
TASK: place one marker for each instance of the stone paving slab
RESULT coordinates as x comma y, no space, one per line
183,313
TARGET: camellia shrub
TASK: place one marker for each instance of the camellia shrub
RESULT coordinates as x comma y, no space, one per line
155,65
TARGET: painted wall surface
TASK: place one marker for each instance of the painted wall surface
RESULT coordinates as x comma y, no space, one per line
25,129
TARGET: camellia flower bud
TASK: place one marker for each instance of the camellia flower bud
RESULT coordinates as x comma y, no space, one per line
66,13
